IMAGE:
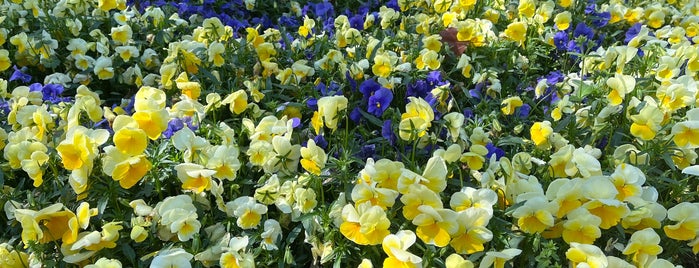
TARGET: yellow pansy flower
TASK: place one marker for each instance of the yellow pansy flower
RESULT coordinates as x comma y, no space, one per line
686,218
509,105
396,247
540,132
435,226
329,108
643,246
248,212
314,157
620,85
364,224
194,177
472,233
581,227
237,101
49,224
382,197
535,215
416,196
563,20
517,31
646,123
581,255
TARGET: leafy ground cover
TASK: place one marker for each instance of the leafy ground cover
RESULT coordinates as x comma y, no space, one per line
349,134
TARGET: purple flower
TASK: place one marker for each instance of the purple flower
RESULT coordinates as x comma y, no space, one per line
295,122
573,47
632,32
35,87
367,151
418,89
368,87
19,75
393,4
356,115
288,21
334,89
492,149
352,82
560,39
387,132
320,141
524,111
50,92
601,19
312,103
468,113
357,21
5,107
583,30
324,10
589,9
554,77
602,143
434,79
173,126
130,106
379,102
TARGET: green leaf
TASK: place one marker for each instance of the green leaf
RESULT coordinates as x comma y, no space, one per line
510,140
372,119
668,160
128,251
293,234
563,123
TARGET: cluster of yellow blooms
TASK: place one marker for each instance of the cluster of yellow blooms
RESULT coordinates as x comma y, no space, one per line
580,195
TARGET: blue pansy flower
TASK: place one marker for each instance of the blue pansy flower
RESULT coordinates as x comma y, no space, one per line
324,10
367,151
560,39
493,150
524,111
5,107
19,75
356,115
393,4
387,132
332,89
320,141
368,87
418,88
581,29
357,22
601,19
173,126
590,9
312,103
51,92
352,82
573,47
632,32
554,77
379,102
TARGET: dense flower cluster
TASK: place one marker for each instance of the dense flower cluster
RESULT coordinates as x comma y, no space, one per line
441,133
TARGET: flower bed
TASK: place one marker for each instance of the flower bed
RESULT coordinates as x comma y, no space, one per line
419,133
